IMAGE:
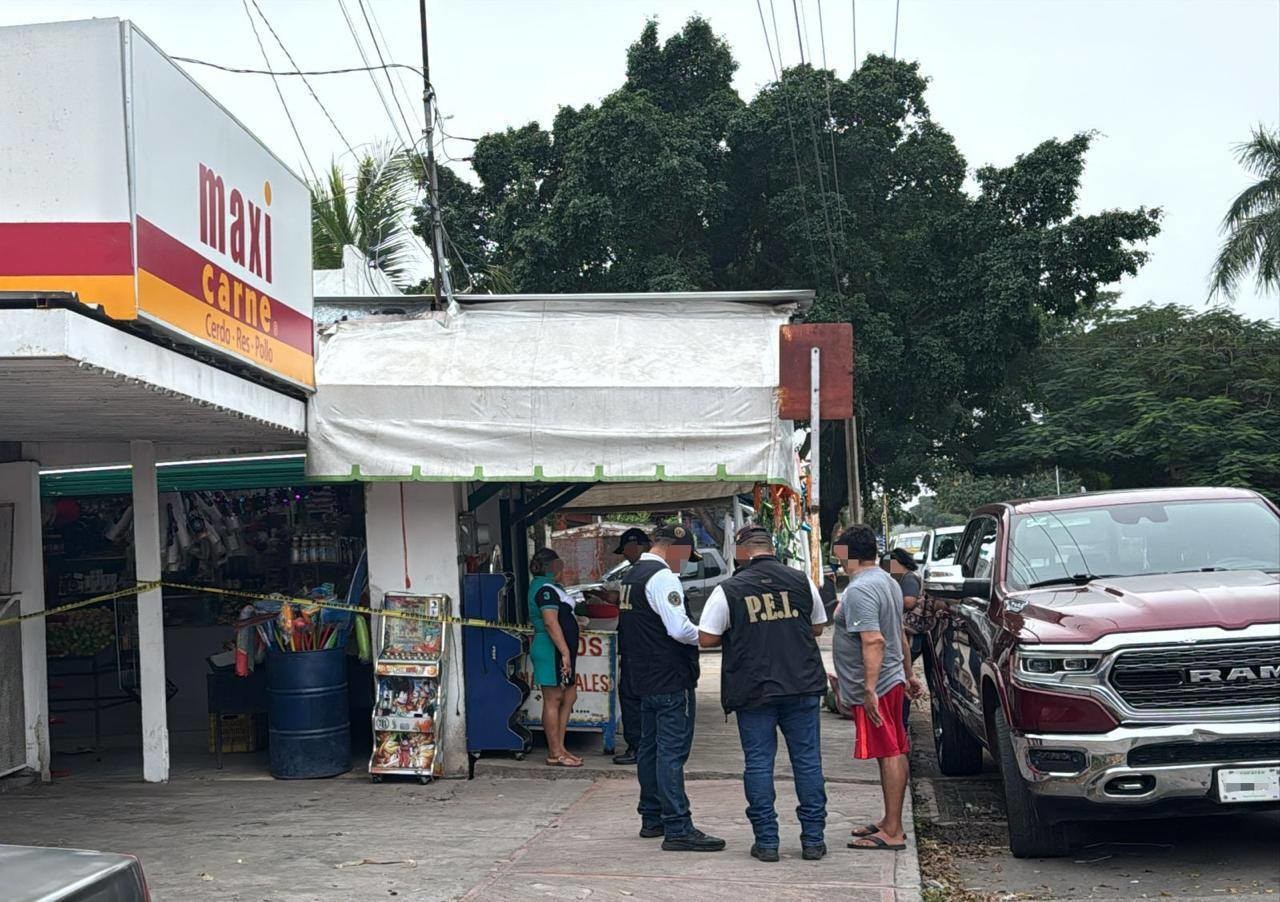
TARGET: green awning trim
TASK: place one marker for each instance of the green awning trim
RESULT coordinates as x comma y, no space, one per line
225,475
288,471
658,475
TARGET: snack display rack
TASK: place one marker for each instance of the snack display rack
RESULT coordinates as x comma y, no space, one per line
408,677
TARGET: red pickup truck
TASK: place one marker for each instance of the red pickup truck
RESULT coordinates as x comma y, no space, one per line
1117,654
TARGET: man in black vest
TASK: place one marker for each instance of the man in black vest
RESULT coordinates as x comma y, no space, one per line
661,667
768,617
631,544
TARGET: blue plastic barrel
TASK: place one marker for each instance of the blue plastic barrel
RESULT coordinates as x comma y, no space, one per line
310,729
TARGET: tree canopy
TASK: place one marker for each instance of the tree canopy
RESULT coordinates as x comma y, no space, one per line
1156,396
846,185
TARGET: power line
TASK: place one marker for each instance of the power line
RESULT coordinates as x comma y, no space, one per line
795,11
795,152
853,18
355,36
266,61
897,7
831,129
417,116
818,166
295,72
293,63
390,84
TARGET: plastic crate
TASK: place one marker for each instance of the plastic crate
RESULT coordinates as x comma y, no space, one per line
240,732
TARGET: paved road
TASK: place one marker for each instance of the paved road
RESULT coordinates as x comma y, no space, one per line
964,843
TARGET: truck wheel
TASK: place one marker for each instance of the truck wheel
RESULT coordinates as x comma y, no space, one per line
1029,835
959,753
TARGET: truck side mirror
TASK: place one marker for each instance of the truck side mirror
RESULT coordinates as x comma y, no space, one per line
957,590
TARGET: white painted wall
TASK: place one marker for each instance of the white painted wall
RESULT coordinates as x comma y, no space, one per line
412,535
20,485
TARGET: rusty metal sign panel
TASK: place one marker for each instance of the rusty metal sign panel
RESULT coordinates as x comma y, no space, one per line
836,343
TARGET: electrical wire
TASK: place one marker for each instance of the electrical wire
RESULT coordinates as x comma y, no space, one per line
853,19
267,62
390,84
818,167
795,11
294,72
292,62
417,116
831,130
897,7
795,150
403,140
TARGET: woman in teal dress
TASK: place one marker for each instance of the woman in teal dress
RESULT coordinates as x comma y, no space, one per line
554,652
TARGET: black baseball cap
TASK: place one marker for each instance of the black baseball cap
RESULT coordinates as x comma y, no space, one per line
753,534
676,534
634,534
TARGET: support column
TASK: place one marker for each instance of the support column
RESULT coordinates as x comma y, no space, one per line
20,486
146,550
413,542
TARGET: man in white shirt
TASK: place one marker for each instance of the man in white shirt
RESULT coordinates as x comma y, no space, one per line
661,668
768,617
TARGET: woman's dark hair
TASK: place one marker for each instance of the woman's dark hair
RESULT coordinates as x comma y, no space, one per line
904,557
861,542
540,563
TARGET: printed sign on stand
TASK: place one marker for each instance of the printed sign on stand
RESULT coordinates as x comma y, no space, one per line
596,707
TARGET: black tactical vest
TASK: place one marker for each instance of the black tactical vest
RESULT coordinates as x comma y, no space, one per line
652,662
769,648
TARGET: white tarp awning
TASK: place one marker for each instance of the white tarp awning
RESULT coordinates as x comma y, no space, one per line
677,388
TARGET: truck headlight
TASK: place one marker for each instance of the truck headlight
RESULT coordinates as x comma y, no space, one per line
1052,666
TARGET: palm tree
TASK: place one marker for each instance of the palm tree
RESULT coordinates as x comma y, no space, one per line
1252,224
371,212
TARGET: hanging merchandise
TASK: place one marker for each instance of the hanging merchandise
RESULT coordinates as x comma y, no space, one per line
408,686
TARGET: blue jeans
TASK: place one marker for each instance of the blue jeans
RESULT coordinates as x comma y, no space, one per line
797,718
666,737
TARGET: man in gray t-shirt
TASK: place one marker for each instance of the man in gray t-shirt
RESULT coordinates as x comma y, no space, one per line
871,602
867,647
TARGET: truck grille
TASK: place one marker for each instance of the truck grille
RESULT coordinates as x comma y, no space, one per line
1159,678
1238,750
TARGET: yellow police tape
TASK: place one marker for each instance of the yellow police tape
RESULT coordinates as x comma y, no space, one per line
233,593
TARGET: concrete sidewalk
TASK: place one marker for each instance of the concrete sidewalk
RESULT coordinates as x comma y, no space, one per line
610,861
717,753
239,836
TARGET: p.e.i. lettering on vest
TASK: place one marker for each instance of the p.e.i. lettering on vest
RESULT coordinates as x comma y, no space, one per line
763,607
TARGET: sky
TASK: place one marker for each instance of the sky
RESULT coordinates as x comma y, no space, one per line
1170,86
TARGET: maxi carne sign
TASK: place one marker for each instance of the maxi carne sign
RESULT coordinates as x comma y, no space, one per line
130,187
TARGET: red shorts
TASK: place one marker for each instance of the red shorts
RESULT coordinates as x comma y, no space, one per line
890,738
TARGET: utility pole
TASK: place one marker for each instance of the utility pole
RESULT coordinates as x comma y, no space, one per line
855,483
438,262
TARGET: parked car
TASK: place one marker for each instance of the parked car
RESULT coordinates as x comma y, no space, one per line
1117,654
697,578
36,874
939,562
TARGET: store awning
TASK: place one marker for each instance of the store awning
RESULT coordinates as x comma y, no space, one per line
649,388
66,378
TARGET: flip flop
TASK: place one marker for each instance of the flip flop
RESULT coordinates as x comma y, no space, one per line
877,845
563,761
863,832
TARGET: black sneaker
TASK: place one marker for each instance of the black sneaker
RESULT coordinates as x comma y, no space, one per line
763,853
814,853
627,757
697,841
652,832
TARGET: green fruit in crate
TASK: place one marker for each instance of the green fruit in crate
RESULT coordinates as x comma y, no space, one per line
84,632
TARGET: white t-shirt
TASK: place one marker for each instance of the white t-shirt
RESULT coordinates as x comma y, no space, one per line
715,615
665,595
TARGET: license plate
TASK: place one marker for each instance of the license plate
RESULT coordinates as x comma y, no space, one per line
1249,784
